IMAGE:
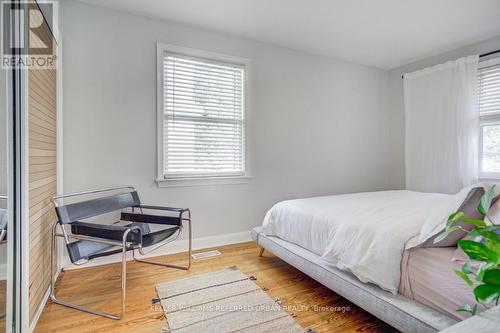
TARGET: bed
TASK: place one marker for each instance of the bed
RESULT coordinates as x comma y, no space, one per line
427,276
358,246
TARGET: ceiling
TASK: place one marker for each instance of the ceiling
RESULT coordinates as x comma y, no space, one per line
380,33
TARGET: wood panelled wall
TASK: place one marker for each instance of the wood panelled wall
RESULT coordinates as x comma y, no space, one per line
42,136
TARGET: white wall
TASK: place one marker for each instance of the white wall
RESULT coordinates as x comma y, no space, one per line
318,125
396,105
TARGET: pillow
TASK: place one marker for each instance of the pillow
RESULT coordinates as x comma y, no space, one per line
493,217
438,215
468,207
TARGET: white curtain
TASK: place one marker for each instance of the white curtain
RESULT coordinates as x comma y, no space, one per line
442,126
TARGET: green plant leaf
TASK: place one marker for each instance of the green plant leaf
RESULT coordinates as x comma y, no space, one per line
485,251
464,277
485,233
485,202
467,308
493,246
467,268
492,277
477,251
477,222
494,227
445,233
440,237
455,217
483,268
486,293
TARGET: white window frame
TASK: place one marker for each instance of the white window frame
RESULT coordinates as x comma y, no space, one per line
486,120
181,181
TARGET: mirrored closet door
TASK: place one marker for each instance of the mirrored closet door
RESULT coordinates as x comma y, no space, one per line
12,96
4,202
28,169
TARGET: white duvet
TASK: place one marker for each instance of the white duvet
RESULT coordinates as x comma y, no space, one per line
364,233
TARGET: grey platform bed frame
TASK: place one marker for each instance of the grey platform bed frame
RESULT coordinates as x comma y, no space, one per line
400,312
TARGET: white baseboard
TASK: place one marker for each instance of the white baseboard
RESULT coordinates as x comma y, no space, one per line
41,306
39,311
173,247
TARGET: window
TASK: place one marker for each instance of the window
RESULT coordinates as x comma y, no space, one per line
201,114
489,111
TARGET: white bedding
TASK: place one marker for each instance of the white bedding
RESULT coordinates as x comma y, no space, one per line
364,233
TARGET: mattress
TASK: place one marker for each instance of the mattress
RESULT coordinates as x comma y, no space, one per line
427,276
363,233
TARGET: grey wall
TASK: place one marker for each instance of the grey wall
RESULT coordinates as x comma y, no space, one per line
396,105
318,125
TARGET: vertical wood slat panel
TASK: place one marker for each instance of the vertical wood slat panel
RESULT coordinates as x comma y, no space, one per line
42,179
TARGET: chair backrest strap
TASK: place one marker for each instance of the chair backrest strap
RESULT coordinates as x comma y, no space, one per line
84,209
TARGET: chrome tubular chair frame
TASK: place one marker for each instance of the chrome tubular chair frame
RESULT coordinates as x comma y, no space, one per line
124,245
190,246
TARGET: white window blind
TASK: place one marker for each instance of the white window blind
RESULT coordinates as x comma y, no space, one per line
489,89
489,110
204,121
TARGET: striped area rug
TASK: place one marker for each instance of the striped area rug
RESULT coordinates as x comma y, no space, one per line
223,301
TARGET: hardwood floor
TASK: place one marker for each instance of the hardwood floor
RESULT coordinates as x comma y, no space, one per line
3,300
315,306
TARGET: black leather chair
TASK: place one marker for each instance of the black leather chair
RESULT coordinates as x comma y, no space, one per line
130,231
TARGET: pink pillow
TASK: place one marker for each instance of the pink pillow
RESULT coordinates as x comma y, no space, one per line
493,217
469,208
